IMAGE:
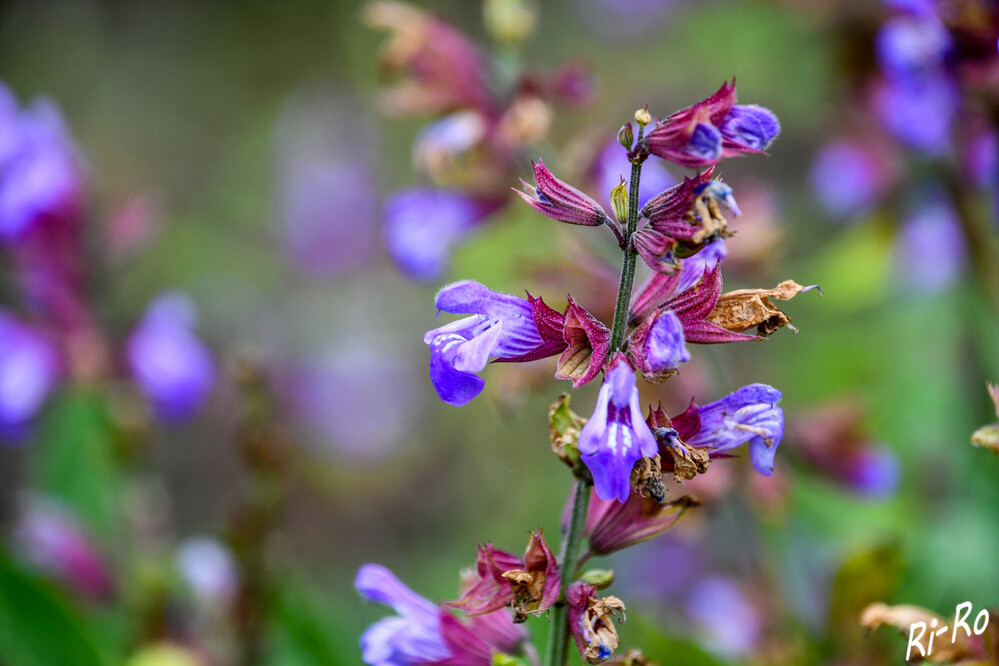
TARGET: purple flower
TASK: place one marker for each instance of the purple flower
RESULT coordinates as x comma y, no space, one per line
53,540
616,436
930,248
874,472
29,367
40,177
209,570
712,129
612,164
328,215
561,201
657,347
170,364
750,126
730,623
423,225
501,326
413,636
981,160
749,415
696,265
910,46
847,178
919,111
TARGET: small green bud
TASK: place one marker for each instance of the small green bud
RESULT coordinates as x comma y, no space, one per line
626,136
619,201
643,116
599,578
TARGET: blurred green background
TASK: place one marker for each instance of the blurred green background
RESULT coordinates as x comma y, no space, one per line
182,103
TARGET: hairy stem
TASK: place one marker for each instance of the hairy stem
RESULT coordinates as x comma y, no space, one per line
627,265
571,558
572,541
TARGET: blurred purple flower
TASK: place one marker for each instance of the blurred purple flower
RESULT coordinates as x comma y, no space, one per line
208,568
501,326
981,160
413,636
29,368
40,175
847,178
625,19
354,423
729,621
172,367
874,472
423,225
748,415
326,191
50,537
329,212
612,165
919,111
930,248
616,436
909,46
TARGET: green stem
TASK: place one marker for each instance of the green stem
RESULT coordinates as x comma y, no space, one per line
572,542
627,265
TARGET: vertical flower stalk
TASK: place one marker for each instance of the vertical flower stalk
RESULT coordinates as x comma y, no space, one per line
572,539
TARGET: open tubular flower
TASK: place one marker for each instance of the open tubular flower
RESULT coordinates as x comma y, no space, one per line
712,129
561,201
500,326
413,636
616,436
749,415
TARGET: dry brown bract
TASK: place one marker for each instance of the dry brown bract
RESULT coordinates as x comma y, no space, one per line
743,309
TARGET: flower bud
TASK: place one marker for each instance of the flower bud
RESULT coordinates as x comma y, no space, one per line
619,201
626,136
643,116
508,20
598,578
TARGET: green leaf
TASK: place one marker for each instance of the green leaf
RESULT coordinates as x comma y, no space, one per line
75,458
38,627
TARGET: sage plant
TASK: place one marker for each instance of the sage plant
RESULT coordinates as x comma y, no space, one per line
621,455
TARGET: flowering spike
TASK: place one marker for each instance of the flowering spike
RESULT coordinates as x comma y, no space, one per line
616,436
561,201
